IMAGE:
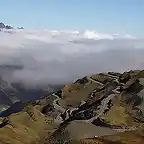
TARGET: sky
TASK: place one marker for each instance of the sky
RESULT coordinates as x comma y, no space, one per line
64,40
109,16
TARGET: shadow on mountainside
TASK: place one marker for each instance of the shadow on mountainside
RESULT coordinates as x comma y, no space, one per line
14,108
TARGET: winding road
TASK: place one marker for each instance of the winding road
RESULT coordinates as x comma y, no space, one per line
101,108
57,106
104,102
97,82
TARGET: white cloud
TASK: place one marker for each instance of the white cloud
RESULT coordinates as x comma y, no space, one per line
51,56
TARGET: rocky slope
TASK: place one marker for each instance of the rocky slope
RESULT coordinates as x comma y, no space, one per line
105,108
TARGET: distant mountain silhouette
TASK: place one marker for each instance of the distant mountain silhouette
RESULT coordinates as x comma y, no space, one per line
3,26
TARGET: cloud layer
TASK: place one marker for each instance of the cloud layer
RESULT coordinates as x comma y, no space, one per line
55,57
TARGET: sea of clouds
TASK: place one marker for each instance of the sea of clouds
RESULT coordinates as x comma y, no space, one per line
57,57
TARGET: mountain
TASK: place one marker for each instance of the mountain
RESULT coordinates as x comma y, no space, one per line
104,108
3,26
20,28
12,92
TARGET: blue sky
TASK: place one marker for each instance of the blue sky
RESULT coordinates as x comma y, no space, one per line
110,16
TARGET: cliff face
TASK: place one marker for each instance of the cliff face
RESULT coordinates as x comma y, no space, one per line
105,108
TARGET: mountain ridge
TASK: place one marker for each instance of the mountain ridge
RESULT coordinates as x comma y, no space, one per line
3,26
101,108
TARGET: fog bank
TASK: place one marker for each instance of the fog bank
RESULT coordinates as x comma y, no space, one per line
58,57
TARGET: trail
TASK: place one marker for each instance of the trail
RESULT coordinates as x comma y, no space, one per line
104,102
57,106
113,91
103,107
97,82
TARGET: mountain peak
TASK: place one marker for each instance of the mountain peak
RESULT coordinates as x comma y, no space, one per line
4,26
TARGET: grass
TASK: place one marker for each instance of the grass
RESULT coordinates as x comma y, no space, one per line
74,93
3,107
26,127
132,137
32,127
118,115
101,78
